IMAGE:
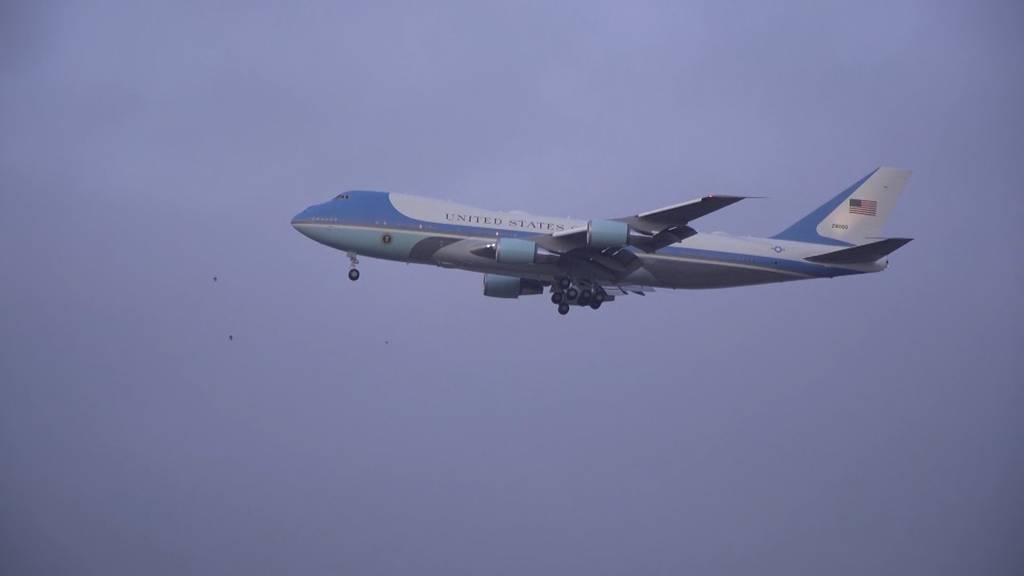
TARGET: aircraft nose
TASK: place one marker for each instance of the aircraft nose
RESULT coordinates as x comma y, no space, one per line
301,220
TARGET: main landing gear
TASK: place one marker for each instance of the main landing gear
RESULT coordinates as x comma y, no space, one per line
353,272
565,293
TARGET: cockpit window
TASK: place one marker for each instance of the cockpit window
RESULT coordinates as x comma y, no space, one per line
341,196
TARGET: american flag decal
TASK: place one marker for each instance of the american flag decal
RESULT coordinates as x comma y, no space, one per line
863,207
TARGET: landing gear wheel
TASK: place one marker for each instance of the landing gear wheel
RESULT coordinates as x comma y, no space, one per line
599,296
583,301
585,295
572,293
595,304
564,283
557,297
353,261
563,308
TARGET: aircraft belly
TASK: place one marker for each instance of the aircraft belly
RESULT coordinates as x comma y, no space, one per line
682,273
425,248
456,252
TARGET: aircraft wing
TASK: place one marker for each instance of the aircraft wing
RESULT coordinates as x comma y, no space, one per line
678,215
650,231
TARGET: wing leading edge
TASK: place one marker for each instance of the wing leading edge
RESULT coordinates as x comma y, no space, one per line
679,214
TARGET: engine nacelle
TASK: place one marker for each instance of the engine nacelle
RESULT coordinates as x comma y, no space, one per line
607,234
515,251
498,286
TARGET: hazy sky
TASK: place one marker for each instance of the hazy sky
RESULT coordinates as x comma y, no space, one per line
405,424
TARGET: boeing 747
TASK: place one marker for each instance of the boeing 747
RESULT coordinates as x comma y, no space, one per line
589,263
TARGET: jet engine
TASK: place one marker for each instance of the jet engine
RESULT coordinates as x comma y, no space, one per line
603,234
515,251
497,286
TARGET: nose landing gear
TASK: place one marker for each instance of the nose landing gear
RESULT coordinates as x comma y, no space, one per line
353,272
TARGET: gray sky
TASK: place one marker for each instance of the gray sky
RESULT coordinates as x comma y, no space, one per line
851,426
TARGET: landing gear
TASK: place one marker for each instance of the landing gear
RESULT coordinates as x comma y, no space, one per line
353,273
585,295
565,293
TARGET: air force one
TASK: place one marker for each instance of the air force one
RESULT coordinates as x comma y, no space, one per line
589,263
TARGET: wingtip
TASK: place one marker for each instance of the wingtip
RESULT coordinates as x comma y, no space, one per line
733,197
895,169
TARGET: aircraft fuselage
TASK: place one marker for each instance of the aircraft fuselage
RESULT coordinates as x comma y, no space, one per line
421,230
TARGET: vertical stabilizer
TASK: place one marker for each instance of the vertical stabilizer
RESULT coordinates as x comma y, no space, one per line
855,216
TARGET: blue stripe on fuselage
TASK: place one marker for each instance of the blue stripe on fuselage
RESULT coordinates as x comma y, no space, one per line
795,266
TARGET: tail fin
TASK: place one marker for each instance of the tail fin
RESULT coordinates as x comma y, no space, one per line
856,215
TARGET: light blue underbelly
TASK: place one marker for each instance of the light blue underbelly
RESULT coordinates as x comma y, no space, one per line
386,244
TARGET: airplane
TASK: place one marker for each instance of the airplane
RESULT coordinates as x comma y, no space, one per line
589,263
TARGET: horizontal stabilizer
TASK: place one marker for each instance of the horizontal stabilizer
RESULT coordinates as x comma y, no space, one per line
861,254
